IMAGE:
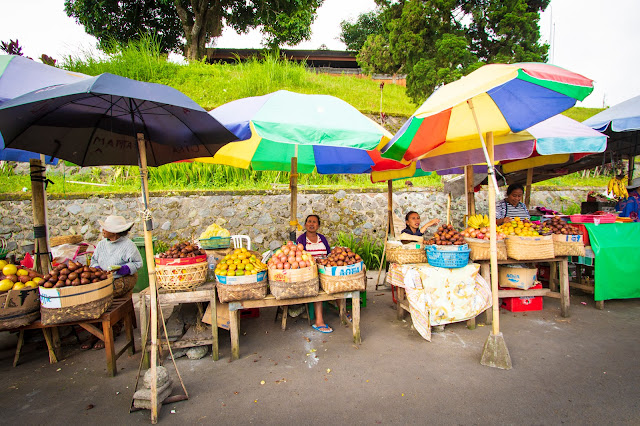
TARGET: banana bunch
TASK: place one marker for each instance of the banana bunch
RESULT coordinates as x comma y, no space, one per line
617,187
478,221
214,230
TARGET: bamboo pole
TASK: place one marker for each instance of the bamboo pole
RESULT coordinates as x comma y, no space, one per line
471,199
527,197
493,243
449,209
391,229
293,185
151,269
41,242
495,352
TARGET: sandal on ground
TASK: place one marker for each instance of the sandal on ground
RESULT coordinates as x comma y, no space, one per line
349,317
88,344
98,345
324,328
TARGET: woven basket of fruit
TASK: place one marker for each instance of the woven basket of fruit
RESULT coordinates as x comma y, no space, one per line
293,290
62,302
530,248
183,267
341,283
481,250
400,254
19,308
64,239
448,256
247,291
568,245
19,298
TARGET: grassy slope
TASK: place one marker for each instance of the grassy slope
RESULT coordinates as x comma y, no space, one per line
213,85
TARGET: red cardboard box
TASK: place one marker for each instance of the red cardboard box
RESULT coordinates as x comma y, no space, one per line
522,304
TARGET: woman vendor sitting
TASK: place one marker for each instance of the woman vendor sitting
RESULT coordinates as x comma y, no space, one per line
512,206
316,245
412,219
119,254
630,207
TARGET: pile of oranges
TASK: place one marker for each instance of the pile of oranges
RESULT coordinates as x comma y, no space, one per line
239,263
520,227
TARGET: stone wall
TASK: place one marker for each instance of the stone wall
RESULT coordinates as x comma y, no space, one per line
262,216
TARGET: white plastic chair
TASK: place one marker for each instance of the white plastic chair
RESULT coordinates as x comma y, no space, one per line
239,240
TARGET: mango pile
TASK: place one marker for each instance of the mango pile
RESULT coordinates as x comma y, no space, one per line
17,277
239,263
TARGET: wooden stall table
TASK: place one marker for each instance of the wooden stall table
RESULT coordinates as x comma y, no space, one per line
270,300
443,286
557,265
206,293
121,310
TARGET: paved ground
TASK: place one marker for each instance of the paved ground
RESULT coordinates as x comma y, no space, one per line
579,370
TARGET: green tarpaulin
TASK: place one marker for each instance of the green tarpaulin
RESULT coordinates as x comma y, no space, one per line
617,265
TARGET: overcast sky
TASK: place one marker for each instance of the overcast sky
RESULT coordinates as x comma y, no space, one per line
596,38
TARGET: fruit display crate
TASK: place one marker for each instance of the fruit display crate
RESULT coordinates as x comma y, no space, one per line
522,304
449,257
215,243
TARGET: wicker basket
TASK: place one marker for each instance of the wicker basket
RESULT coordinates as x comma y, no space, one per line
294,290
124,285
293,275
65,239
181,277
234,292
481,250
75,303
341,283
529,248
19,308
402,255
568,245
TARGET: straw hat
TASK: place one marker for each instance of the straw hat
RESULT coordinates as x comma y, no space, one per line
115,224
634,183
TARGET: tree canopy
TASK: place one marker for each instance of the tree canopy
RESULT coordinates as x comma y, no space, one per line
193,25
436,42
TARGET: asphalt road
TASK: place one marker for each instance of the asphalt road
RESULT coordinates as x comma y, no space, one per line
578,370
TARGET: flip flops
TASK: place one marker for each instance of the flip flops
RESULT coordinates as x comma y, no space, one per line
324,328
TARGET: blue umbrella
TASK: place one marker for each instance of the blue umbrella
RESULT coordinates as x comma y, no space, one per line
107,120
20,75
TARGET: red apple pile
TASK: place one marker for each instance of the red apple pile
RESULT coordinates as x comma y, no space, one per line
290,256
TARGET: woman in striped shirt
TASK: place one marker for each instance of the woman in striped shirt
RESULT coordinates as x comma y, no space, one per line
512,206
316,245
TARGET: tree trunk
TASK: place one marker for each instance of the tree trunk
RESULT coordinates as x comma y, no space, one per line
201,21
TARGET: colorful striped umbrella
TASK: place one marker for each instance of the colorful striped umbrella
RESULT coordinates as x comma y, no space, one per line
508,99
501,101
322,132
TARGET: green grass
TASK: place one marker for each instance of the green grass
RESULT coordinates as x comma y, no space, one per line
576,179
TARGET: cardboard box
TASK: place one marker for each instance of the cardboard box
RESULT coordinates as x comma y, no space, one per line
64,297
521,278
523,304
16,303
222,309
341,270
243,279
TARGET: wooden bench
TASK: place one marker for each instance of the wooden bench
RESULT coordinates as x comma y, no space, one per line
120,310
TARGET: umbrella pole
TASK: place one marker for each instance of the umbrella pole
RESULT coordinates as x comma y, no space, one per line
390,229
41,244
148,248
527,197
471,199
495,352
293,185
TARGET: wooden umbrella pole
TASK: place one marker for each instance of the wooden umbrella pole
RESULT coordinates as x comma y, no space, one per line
391,229
151,269
41,243
493,244
527,197
471,199
293,184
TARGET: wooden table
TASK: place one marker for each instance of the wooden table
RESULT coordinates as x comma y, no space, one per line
234,307
205,293
120,310
557,265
